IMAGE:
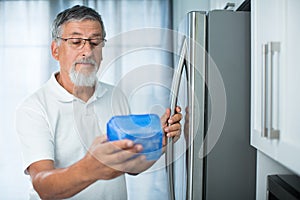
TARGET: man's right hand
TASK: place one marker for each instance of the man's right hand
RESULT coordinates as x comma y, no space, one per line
108,160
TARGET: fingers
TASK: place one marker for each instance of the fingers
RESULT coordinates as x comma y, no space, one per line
126,154
165,117
122,150
100,139
173,130
134,165
178,109
174,127
175,118
129,161
122,144
115,151
111,159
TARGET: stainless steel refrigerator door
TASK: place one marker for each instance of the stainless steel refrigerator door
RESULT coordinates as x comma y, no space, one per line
197,81
194,54
217,117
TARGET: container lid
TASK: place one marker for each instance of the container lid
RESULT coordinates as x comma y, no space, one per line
145,125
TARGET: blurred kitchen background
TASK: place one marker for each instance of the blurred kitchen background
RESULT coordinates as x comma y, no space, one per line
26,62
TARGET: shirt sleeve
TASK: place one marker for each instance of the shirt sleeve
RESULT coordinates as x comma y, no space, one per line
34,134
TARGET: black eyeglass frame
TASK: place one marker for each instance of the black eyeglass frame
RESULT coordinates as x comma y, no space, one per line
103,40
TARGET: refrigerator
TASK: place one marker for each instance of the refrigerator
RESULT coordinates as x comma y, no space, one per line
212,82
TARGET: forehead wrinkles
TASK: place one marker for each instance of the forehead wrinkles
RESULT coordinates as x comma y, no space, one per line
81,27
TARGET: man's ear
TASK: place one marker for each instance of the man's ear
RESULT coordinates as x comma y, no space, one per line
54,50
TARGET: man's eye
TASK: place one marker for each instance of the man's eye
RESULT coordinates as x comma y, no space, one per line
76,41
95,42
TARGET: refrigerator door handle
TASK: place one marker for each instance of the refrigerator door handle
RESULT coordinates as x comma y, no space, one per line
193,61
174,94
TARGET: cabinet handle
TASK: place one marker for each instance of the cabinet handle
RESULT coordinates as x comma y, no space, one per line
263,91
271,49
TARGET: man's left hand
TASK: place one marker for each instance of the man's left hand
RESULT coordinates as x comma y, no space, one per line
171,125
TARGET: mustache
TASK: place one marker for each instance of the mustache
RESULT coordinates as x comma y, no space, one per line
85,61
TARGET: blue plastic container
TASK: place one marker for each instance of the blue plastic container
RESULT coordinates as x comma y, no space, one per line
141,129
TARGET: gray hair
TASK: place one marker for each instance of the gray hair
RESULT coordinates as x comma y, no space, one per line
76,13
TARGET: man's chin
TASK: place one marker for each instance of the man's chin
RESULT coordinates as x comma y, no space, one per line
85,69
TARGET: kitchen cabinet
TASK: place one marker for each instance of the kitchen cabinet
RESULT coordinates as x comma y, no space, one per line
275,82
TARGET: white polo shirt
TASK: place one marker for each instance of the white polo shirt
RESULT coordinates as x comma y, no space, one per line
53,124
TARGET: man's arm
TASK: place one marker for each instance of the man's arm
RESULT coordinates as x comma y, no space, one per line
105,160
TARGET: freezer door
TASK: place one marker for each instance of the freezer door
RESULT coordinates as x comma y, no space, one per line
230,162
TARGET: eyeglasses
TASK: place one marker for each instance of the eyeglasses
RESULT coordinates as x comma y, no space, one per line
78,43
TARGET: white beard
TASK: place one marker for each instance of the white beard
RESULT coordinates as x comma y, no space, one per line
85,79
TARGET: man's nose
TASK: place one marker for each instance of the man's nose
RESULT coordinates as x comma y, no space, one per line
87,49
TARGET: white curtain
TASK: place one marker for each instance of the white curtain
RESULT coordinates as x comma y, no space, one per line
24,58
26,63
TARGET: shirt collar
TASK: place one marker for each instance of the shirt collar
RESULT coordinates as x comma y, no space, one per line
61,93
99,92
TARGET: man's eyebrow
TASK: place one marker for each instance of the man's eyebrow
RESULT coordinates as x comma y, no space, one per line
74,34
96,34
79,34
